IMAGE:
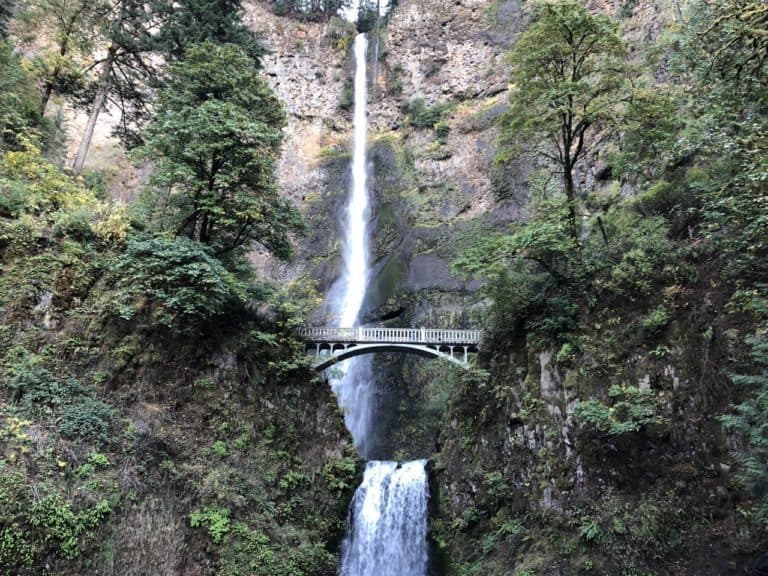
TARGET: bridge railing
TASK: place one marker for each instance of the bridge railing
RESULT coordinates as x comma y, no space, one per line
398,335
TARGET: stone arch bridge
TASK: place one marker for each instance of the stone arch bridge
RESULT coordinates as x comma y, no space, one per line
332,345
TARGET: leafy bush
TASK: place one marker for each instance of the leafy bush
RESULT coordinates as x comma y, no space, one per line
631,532
341,33
179,279
15,550
215,519
255,554
347,98
60,524
341,474
47,187
20,118
633,259
630,410
34,387
750,421
442,130
656,321
86,418
422,116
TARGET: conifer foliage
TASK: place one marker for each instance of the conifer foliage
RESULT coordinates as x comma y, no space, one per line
215,138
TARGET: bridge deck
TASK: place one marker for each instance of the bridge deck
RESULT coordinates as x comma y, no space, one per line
393,335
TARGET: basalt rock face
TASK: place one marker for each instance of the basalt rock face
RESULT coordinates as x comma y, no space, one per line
427,186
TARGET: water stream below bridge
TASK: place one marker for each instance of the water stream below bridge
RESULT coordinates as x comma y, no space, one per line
388,524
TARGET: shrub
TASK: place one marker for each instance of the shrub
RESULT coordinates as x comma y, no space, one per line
15,550
656,321
87,418
215,519
60,524
341,474
630,410
47,187
442,130
422,116
182,281
347,98
341,33
34,387
20,117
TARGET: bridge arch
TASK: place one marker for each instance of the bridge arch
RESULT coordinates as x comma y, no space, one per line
353,350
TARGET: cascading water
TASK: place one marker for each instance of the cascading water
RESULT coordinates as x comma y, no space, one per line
387,529
388,522
354,387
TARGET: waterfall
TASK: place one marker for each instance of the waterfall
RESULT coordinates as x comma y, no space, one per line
354,387
388,522
387,528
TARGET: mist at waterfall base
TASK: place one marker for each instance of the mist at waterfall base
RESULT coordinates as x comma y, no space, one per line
387,526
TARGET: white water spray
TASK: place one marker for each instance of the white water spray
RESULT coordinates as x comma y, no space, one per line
388,521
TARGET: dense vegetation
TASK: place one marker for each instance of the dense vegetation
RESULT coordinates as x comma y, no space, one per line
146,370
607,272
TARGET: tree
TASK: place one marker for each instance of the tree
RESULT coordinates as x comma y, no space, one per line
71,30
569,73
125,71
215,139
734,36
189,22
309,9
185,283
725,48
750,421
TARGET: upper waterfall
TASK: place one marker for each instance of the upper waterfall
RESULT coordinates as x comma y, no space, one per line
355,388
356,237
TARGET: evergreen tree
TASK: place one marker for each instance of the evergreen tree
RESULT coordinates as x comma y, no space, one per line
309,9
726,56
750,421
125,73
20,118
189,22
72,26
214,140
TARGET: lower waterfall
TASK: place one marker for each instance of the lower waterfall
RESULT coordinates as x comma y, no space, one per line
387,529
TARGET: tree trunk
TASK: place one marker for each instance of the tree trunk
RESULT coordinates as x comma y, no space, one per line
570,194
48,90
105,83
